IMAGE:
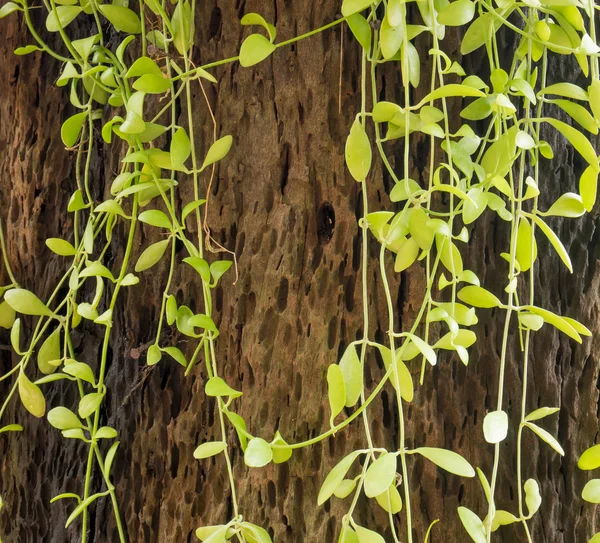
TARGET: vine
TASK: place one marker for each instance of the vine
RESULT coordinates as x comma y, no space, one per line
430,218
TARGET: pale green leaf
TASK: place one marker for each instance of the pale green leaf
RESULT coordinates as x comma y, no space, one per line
258,453
208,449
447,460
255,49
380,475
495,426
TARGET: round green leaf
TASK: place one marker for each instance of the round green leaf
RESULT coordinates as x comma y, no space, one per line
258,453
380,475
255,49
495,426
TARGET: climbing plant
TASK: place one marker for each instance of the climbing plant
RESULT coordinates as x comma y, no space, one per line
130,92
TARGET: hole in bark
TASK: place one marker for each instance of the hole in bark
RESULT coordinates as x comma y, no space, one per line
325,222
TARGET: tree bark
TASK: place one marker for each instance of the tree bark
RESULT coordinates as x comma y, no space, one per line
284,201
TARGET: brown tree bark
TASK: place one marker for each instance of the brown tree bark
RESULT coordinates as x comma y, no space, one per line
285,203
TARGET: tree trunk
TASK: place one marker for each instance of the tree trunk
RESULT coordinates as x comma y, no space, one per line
284,201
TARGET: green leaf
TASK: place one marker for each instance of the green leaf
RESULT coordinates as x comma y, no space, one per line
152,84
579,114
541,413
335,477
336,391
152,255
218,150
255,534
219,268
105,432
354,6
256,19
345,488
457,13
154,354
588,187
472,524
255,49
361,29
143,66
478,297
578,141
567,205
208,449
19,51
9,8
180,148
110,456
368,536
71,128
25,302
212,534
7,315
424,348
390,38
258,453
31,396
63,419
495,426
380,475
200,265
556,321
202,321
280,454
157,218
390,500
11,428
358,152
525,238
419,230
80,370
122,18
503,518
481,31
545,436
554,240
406,255
181,22
475,205
217,387
190,207
80,508
240,427
61,17
591,491
447,460
89,404
48,357
451,90
566,89
532,496
353,375
590,459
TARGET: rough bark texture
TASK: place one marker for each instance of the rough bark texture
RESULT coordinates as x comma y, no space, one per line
285,203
